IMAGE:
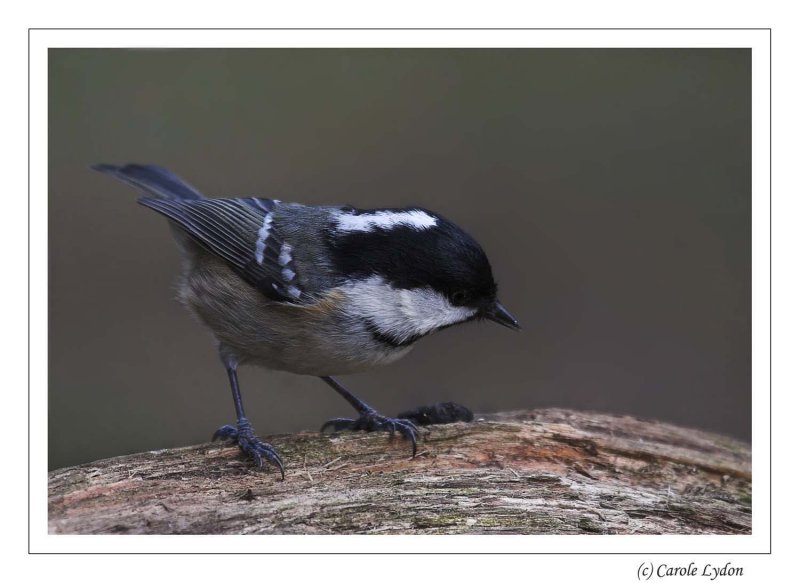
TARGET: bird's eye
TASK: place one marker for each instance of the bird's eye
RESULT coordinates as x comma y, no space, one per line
459,298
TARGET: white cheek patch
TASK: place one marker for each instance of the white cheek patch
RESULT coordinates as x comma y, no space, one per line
368,222
403,313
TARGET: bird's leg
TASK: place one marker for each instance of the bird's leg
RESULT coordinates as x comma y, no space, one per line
369,419
243,432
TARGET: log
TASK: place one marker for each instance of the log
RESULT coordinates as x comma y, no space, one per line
550,471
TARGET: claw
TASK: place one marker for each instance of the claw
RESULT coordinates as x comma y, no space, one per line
374,422
409,430
413,437
225,432
266,450
250,445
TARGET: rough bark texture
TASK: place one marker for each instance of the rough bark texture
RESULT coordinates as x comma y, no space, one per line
544,471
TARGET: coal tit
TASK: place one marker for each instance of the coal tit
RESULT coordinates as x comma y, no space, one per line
317,290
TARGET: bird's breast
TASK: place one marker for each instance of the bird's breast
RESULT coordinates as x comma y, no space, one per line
323,337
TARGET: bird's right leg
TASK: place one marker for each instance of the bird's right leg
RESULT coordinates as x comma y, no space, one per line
369,419
243,432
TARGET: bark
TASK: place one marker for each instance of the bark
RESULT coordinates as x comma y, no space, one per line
545,471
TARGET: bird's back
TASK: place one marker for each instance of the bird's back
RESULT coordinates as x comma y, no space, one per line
258,274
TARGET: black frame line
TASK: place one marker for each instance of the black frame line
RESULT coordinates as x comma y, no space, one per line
405,553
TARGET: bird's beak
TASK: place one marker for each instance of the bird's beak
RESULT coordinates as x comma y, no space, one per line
497,313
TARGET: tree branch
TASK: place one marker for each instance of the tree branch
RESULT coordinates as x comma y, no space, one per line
545,471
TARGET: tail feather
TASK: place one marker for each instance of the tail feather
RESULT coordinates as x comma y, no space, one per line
152,180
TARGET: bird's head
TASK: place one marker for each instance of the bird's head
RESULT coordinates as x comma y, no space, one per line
412,272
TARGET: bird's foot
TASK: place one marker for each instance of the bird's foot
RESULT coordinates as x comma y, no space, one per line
250,444
372,421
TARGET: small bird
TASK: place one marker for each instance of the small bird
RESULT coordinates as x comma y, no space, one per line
317,290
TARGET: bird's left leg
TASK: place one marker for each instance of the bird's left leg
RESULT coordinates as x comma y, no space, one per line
242,433
369,419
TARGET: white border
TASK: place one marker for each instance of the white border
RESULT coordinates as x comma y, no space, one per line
757,40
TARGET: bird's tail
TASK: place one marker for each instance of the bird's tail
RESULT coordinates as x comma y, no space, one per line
152,180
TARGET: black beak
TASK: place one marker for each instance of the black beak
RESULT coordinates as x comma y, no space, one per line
497,313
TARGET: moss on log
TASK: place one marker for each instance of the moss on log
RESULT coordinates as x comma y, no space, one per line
544,471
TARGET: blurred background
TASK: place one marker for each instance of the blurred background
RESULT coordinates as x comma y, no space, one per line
610,188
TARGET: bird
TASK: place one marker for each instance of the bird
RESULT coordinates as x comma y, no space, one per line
316,290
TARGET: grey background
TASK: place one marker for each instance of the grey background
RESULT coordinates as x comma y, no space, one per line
610,189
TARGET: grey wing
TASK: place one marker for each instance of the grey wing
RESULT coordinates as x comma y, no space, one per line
242,232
